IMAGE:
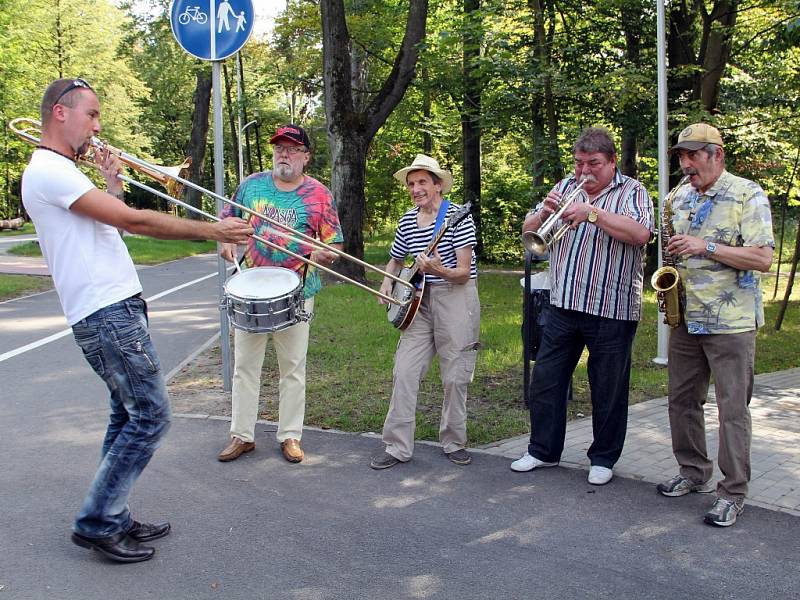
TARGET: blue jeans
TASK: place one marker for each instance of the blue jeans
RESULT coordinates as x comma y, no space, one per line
116,344
609,342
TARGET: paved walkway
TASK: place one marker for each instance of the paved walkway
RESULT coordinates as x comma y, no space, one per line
647,455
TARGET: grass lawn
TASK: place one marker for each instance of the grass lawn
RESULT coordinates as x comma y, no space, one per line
352,347
143,250
13,286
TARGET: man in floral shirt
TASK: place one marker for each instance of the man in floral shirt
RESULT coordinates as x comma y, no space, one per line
723,239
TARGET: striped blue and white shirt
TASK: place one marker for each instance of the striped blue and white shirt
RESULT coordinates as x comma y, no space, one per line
590,271
410,240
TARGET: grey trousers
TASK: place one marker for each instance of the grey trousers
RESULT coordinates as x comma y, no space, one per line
692,360
447,324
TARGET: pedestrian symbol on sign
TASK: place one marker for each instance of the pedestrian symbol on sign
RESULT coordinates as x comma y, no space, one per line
211,29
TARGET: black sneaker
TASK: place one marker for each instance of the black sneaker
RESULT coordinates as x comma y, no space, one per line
384,460
724,512
680,486
459,457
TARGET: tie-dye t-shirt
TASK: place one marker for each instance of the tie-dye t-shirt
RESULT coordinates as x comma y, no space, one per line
732,212
309,208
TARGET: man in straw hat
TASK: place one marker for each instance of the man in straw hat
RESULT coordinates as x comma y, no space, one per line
102,300
596,296
447,322
723,239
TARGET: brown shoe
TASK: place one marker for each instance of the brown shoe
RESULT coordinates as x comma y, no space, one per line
235,449
292,451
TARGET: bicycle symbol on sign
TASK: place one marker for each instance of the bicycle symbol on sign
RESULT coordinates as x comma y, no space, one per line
192,14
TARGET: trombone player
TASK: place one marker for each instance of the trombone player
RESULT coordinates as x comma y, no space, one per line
102,300
596,275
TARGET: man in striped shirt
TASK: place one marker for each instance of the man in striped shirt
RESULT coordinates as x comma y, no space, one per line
447,322
596,295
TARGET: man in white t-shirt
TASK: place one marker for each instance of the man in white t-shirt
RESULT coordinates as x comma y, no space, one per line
100,293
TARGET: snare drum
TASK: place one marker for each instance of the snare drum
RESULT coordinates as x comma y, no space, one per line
264,299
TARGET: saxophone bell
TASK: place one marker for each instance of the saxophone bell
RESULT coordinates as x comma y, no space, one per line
666,281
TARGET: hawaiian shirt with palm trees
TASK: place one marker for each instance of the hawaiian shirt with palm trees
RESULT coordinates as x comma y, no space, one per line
733,212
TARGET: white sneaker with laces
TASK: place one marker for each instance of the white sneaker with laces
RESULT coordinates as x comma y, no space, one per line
600,475
529,463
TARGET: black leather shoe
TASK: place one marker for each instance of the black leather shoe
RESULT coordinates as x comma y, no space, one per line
119,547
145,532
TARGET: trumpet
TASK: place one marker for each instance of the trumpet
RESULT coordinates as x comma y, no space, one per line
540,241
172,178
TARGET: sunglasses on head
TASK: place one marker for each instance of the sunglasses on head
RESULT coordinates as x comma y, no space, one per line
76,83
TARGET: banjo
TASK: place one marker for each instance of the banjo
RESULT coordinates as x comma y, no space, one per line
401,316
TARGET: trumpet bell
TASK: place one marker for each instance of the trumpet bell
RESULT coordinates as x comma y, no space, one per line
534,243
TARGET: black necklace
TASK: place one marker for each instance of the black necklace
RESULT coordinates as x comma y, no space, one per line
43,147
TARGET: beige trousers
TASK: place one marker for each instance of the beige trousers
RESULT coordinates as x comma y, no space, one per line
448,325
291,346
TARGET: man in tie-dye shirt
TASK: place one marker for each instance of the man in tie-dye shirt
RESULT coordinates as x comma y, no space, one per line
723,239
291,198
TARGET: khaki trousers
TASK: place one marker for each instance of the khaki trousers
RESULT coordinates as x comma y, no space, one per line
291,346
448,325
692,360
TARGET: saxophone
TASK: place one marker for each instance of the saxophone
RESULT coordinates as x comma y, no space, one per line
666,281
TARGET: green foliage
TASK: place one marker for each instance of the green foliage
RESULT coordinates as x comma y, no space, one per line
599,60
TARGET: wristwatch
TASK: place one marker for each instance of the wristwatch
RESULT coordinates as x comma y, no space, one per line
711,247
592,216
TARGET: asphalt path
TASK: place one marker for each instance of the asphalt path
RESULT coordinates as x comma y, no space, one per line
331,527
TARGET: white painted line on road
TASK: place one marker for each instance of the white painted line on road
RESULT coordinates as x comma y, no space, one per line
65,332
34,345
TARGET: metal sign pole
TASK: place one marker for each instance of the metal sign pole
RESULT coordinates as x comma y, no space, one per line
219,188
663,160
212,36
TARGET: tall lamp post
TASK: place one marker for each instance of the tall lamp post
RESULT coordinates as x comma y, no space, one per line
241,133
663,158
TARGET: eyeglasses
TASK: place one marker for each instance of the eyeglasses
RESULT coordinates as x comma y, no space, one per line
76,83
292,150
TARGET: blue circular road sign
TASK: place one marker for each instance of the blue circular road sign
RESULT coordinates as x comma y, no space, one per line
211,29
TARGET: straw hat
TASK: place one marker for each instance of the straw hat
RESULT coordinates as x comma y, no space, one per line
426,163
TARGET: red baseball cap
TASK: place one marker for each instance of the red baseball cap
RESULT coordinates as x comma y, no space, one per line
293,133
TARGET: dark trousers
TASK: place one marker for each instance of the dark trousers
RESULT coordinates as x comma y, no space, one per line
609,342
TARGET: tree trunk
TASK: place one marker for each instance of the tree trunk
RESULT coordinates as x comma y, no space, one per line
232,121
632,21
717,45
197,142
471,115
544,62
350,128
790,281
427,138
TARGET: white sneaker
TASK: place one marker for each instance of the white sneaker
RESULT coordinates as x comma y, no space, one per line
529,463
600,475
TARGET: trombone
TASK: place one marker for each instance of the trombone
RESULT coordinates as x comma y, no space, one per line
172,178
539,242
